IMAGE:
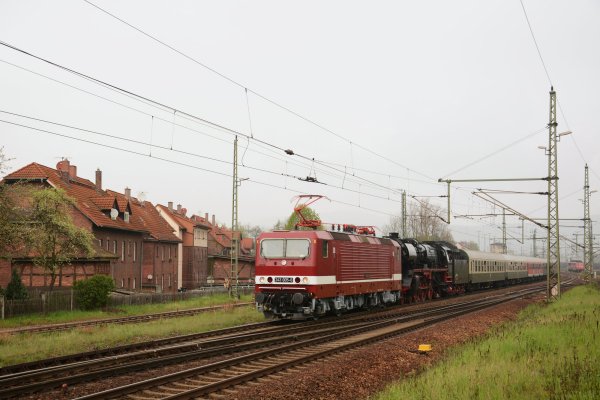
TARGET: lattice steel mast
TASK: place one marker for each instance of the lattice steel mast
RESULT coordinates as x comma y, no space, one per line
553,244
404,233
588,251
233,284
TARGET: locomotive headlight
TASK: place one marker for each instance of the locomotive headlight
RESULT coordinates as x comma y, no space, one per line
261,279
305,280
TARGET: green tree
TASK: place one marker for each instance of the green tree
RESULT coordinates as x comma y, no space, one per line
10,215
52,237
93,292
15,290
293,219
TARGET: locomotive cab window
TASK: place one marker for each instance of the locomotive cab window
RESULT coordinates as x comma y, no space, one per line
288,248
324,248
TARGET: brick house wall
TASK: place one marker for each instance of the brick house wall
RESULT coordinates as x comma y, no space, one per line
34,276
127,246
5,272
160,261
195,266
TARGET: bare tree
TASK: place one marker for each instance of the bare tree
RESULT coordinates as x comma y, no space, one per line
423,222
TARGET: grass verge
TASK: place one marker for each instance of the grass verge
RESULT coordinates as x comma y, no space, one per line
549,352
123,311
24,347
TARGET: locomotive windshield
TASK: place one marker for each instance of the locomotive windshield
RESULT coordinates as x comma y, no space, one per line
284,248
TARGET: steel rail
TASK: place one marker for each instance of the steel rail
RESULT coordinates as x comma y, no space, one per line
299,345
18,383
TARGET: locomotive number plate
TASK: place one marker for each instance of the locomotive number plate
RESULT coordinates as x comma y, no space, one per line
282,279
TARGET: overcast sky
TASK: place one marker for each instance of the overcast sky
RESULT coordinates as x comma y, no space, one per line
408,92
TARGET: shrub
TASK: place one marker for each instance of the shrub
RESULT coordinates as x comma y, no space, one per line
15,290
93,292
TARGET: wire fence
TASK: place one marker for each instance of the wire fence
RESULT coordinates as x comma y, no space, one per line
43,302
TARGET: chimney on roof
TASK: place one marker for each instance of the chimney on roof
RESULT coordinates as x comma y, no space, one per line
128,193
206,217
213,219
72,171
184,211
63,167
178,208
171,206
98,179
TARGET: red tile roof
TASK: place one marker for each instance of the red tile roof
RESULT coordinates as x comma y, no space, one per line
187,223
159,228
105,203
94,203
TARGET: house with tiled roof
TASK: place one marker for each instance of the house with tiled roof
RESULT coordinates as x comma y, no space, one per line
193,251
142,245
219,253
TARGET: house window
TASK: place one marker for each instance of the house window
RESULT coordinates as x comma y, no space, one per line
101,243
169,252
133,283
134,250
126,216
169,280
122,282
162,281
107,244
114,246
123,252
162,253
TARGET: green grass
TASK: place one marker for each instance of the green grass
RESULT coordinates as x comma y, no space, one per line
29,347
550,352
123,311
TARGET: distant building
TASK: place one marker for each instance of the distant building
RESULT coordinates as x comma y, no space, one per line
193,250
219,254
134,244
498,247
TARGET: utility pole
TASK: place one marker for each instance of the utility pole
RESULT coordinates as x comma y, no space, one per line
404,233
588,255
233,283
504,231
553,244
534,244
448,182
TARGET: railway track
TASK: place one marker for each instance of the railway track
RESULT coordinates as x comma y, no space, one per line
299,342
121,320
203,381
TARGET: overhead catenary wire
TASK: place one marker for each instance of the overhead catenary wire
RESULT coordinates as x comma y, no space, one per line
183,114
150,145
180,163
245,87
259,143
493,153
551,84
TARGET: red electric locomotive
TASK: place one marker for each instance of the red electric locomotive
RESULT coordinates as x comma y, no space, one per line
302,274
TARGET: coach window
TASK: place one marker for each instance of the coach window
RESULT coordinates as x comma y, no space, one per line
324,248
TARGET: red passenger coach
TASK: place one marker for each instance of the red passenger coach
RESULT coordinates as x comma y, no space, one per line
303,274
